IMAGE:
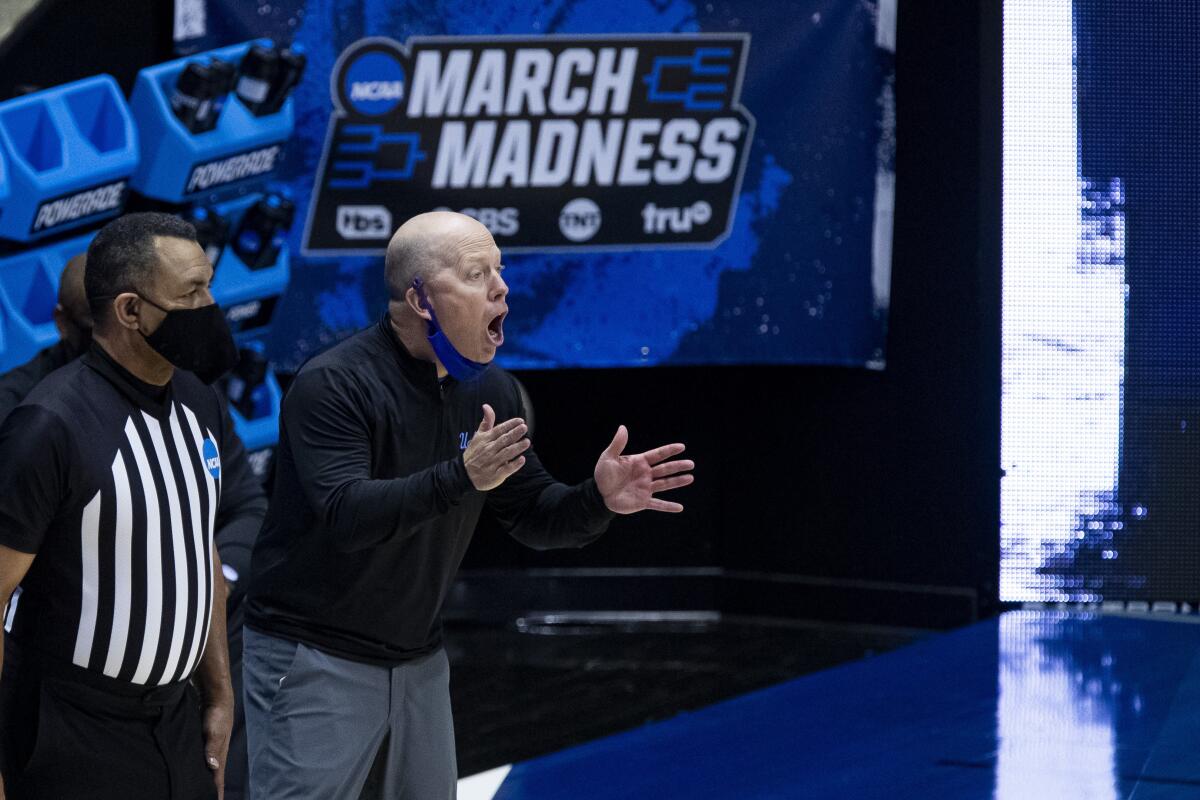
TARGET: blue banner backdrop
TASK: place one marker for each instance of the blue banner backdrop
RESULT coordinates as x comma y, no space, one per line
669,182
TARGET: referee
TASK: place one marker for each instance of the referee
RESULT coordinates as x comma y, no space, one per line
111,483
392,444
240,515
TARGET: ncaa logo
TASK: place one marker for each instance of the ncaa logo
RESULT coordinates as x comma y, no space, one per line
364,222
374,83
579,219
212,459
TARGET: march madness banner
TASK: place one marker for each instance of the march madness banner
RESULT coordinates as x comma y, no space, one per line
669,182
554,143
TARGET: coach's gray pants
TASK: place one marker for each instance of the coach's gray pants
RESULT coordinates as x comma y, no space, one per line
315,722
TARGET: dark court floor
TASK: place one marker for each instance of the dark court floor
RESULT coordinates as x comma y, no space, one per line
1032,705
537,686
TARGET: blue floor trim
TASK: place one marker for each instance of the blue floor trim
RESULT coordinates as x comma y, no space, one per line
1034,704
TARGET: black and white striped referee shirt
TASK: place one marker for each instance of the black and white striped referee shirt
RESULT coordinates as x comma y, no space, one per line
115,485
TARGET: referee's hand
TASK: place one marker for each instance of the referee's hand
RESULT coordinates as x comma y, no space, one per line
495,451
218,722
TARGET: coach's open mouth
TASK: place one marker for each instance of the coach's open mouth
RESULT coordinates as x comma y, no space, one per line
495,329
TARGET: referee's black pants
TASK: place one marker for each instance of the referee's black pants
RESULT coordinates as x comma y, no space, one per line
66,733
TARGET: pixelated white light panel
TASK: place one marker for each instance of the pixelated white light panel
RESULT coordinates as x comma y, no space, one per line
1100,498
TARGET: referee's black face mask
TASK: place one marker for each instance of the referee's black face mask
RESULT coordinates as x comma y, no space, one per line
195,339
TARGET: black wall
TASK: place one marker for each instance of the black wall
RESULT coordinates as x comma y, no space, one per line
64,40
866,478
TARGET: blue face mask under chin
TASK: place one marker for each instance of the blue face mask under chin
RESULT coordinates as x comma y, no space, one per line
459,366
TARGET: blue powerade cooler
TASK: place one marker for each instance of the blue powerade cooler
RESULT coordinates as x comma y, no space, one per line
69,152
254,398
249,293
260,429
28,292
182,166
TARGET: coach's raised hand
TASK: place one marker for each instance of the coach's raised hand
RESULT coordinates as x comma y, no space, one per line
629,483
495,451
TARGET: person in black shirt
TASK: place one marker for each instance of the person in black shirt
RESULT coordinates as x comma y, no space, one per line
392,444
111,485
244,504
73,319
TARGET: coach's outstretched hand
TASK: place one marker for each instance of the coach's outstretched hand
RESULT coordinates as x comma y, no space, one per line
629,483
495,451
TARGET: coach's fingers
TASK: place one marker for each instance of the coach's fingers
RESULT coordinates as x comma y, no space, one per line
513,450
515,434
669,468
508,469
666,484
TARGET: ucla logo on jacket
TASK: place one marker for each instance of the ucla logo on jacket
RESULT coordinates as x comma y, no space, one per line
212,459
